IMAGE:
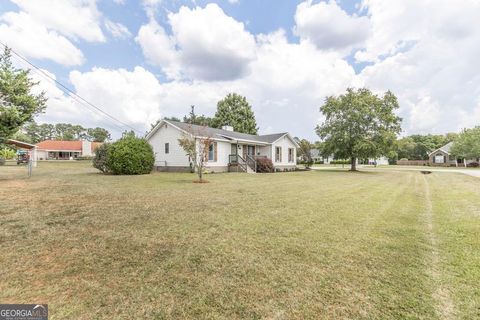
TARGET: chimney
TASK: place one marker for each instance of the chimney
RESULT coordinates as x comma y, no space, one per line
86,148
227,128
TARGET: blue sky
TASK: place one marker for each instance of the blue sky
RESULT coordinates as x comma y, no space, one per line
140,60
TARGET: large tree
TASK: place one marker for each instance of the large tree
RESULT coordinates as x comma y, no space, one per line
18,104
201,120
467,144
98,134
234,110
304,151
359,124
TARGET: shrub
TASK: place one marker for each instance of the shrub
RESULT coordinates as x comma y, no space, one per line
7,153
264,165
100,158
473,164
130,155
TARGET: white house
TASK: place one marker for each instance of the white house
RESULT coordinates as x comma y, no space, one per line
230,151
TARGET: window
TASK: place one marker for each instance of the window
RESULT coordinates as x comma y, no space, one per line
167,148
212,152
278,154
291,154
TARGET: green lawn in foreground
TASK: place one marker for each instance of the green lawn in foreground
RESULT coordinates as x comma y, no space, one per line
318,245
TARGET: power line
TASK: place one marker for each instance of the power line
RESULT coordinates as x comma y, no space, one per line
71,93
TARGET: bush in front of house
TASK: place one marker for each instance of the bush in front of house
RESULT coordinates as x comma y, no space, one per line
473,164
264,165
100,158
130,155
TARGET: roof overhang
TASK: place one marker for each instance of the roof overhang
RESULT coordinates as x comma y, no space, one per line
21,144
258,143
437,150
289,137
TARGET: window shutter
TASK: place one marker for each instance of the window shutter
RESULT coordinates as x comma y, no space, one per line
215,151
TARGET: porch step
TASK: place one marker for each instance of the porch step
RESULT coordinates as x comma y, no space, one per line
250,170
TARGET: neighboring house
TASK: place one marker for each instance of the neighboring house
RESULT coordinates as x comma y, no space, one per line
65,150
382,161
443,157
230,150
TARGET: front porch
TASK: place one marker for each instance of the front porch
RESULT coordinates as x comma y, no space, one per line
243,156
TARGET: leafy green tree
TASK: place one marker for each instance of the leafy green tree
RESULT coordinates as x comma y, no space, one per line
234,110
18,105
98,134
201,120
359,124
304,151
467,144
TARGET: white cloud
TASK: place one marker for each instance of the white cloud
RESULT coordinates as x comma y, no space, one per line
72,18
131,96
198,48
428,58
60,107
32,39
159,48
117,29
330,27
419,50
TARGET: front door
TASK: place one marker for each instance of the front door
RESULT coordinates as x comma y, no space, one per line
234,151
251,150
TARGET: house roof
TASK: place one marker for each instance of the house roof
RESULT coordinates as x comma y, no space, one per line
197,130
446,148
61,145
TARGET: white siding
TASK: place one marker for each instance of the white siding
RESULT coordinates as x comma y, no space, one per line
176,156
285,143
223,150
265,151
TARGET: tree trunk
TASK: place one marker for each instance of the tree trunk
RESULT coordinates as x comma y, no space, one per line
354,164
200,172
465,162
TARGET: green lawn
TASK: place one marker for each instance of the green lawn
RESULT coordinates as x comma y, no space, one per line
304,245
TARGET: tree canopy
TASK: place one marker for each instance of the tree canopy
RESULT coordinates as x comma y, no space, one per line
418,146
18,104
63,131
234,110
467,144
359,124
304,151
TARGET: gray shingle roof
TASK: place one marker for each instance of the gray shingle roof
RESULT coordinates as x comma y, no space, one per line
225,134
446,148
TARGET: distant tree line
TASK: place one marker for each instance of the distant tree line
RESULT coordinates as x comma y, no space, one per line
33,132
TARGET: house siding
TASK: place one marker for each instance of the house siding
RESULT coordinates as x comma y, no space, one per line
448,161
285,143
176,156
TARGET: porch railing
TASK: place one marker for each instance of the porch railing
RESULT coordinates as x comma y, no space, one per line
252,163
238,161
